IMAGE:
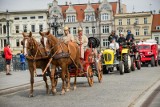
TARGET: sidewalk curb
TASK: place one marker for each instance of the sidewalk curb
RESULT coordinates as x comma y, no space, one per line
19,88
138,102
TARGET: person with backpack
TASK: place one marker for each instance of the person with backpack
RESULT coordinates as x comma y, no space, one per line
8,58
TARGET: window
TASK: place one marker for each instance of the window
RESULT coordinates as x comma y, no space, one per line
120,21
16,18
120,30
41,27
33,28
17,28
40,17
145,31
104,16
105,42
69,18
105,29
4,29
128,21
24,18
73,19
137,32
32,17
5,41
87,17
74,30
25,28
157,27
157,39
93,30
17,43
87,30
145,20
136,21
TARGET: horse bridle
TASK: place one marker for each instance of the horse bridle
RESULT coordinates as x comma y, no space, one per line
52,46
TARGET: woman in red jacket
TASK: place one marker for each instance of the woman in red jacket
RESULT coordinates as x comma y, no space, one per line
8,57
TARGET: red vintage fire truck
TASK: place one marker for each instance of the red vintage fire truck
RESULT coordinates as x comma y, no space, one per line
149,52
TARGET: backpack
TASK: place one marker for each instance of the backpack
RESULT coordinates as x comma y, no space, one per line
3,55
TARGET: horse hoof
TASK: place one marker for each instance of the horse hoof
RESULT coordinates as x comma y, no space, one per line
67,90
63,92
74,88
31,95
54,91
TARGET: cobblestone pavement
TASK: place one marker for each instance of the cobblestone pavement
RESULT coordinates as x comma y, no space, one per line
115,91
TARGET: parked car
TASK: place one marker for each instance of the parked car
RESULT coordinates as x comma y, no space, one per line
149,52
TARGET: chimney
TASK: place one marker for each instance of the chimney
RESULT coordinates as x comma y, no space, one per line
66,3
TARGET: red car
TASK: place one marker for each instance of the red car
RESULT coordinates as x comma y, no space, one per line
149,52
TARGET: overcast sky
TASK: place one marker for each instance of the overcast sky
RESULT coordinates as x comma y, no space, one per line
139,5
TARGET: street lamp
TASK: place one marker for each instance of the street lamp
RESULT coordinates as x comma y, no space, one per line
55,24
7,22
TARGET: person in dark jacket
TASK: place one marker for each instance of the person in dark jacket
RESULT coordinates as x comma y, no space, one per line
113,36
121,39
130,36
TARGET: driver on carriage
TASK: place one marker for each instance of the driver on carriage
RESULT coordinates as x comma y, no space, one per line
82,41
67,37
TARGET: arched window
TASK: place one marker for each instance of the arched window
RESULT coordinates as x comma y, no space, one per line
4,29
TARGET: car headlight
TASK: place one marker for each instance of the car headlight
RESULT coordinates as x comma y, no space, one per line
149,53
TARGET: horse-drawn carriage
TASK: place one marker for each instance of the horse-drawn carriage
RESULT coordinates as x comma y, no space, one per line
60,55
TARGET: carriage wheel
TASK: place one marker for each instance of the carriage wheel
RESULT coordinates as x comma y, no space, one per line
90,76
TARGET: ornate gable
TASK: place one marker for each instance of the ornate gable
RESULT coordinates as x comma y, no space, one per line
70,9
89,7
105,6
54,9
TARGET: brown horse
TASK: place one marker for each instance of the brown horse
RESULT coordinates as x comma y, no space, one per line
36,57
63,56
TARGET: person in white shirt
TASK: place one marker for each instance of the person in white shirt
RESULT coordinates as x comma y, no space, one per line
114,45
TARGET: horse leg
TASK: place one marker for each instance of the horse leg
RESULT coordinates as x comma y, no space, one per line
53,79
45,79
68,80
75,79
63,78
31,81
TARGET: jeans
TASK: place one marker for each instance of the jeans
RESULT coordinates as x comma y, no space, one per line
23,66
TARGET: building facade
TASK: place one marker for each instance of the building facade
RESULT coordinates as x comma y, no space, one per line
20,21
96,19
139,23
156,28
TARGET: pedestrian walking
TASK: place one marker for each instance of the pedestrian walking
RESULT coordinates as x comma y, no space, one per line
8,58
22,61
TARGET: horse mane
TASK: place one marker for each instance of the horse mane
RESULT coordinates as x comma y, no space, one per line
52,38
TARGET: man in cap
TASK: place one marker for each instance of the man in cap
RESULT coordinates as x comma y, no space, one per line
113,35
129,37
67,37
82,41
121,39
